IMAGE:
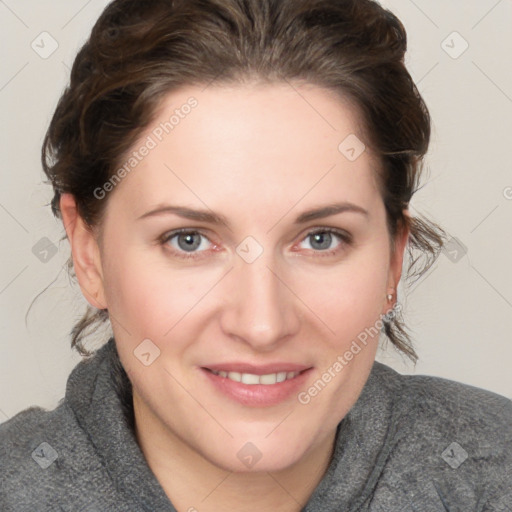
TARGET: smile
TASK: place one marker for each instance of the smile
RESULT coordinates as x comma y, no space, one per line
251,379
253,390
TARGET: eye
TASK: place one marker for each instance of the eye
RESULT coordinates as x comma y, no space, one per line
321,240
185,243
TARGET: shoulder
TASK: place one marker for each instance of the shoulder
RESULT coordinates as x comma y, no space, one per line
456,408
18,434
444,403
40,452
457,436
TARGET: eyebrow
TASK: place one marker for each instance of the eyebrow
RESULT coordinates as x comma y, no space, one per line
215,218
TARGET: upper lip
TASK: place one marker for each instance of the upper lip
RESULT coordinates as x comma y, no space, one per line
264,369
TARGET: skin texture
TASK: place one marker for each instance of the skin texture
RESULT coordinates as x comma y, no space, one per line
260,155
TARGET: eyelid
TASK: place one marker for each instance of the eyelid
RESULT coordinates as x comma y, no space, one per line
171,234
342,233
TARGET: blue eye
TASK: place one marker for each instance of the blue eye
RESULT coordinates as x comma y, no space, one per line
189,244
321,240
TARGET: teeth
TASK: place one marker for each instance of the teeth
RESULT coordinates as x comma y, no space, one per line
271,378
250,378
247,378
235,376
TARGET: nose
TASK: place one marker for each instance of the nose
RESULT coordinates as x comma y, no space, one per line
261,309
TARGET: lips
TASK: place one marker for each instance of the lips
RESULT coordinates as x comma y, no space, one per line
238,381
266,369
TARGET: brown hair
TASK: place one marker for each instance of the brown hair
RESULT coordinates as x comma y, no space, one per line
140,50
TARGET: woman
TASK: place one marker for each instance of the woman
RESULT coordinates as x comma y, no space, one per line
234,180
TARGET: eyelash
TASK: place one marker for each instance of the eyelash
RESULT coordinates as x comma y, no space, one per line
345,238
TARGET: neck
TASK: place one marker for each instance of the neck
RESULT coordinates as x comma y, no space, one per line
194,484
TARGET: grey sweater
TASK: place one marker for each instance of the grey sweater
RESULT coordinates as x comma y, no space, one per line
409,443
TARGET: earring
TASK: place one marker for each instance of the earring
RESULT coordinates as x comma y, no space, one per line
389,296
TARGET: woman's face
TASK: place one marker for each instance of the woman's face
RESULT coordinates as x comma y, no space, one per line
256,292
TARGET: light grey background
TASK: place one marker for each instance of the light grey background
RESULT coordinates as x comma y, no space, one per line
460,313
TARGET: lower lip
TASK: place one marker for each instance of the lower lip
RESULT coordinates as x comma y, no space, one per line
257,395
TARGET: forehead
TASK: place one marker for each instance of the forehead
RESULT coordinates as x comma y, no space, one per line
251,141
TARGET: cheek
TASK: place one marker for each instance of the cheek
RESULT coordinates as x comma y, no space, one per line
349,297
146,296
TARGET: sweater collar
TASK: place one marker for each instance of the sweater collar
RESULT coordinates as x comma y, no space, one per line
93,392
363,438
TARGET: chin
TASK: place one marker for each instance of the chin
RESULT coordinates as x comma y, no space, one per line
245,455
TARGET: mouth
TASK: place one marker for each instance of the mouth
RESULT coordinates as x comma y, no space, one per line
257,389
252,379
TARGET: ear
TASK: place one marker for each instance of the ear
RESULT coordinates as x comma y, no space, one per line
85,252
397,257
